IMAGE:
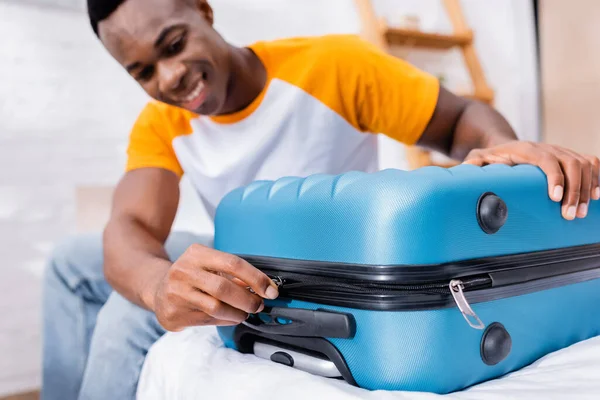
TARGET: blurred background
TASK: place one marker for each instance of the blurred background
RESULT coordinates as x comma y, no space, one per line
66,109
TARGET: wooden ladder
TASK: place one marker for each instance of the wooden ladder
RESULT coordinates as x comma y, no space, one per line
376,31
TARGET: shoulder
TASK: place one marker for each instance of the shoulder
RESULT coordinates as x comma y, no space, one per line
318,65
314,50
341,45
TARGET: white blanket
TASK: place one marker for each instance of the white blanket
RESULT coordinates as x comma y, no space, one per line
193,364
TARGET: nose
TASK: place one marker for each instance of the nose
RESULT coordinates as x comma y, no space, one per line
171,77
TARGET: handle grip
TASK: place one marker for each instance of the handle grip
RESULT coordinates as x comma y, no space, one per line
302,322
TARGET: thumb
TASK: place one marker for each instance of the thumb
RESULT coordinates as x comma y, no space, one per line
478,161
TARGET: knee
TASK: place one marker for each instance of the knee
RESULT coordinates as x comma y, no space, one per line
122,323
68,257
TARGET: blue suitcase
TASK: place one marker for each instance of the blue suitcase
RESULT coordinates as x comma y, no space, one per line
427,280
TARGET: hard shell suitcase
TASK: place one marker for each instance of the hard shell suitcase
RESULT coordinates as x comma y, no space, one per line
427,280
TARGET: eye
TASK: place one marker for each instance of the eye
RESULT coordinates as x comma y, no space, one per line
175,46
146,73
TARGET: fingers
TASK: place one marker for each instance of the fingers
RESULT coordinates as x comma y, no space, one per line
573,176
206,282
182,301
586,189
595,186
568,174
235,266
181,306
550,165
548,162
235,280
498,156
475,161
215,307
178,321
586,185
475,158
228,292
220,285
573,179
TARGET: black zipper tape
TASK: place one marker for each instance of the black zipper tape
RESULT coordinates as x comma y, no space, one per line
503,277
298,283
371,295
565,260
476,290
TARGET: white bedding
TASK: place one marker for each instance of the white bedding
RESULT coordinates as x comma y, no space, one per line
193,364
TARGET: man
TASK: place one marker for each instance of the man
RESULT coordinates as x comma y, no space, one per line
228,116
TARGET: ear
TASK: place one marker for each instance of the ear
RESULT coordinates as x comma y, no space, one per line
206,10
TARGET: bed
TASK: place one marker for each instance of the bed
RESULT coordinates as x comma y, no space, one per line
193,364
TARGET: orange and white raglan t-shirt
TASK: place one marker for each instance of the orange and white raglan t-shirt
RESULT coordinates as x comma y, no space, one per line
323,100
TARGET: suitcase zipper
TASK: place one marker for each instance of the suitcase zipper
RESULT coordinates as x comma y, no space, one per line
456,288
379,288
291,284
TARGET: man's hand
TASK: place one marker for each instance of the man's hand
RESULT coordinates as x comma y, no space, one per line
208,287
476,133
572,178
203,287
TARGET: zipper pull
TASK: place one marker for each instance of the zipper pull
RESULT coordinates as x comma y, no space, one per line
276,279
456,288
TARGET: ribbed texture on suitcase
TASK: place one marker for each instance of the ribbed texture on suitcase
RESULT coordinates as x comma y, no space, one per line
426,216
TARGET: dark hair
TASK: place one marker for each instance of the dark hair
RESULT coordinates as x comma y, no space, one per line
99,10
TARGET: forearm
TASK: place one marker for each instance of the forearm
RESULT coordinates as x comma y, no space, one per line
134,260
479,126
144,207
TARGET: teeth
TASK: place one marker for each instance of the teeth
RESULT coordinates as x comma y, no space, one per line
195,93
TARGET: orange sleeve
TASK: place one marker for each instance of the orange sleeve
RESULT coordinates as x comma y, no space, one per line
150,140
392,97
372,90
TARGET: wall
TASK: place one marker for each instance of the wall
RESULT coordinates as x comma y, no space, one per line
570,39
66,108
505,44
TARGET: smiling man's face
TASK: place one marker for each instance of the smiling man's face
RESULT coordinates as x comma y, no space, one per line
171,49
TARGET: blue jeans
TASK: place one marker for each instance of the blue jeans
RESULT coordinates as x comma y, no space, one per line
94,340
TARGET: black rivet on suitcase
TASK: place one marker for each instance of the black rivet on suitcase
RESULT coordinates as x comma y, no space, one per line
496,344
492,212
281,357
